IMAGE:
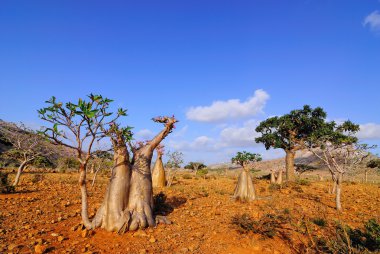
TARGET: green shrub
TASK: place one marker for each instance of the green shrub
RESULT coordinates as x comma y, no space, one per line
37,178
303,182
5,187
319,222
187,176
202,172
274,187
348,240
267,226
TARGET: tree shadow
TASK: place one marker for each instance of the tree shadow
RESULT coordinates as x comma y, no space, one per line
164,206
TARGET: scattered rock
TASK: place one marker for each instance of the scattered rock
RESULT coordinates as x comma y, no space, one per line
12,246
140,233
40,248
61,238
152,240
84,233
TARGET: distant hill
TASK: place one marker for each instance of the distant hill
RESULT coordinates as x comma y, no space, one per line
302,157
59,151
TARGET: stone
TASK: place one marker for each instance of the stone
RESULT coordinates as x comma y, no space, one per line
54,234
152,240
84,233
61,238
184,250
143,251
12,246
40,248
140,233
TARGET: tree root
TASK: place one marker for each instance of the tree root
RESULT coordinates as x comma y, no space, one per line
162,220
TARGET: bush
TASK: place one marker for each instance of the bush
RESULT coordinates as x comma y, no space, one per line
319,222
37,178
267,226
202,172
244,222
348,240
304,182
66,163
5,187
187,176
274,187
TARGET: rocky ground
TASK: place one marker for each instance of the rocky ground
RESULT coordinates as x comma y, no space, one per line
44,216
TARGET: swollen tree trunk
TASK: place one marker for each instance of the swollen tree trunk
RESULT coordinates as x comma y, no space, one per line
272,177
19,171
290,174
244,190
279,177
339,180
140,203
113,214
158,174
366,176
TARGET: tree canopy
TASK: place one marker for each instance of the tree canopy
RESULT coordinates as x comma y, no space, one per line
195,165
244,158
289,132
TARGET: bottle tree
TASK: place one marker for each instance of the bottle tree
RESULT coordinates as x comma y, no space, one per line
244,190
158,172
289,132
128,202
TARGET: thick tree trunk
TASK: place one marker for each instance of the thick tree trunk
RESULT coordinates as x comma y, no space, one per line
158,174
113,214
19,171
128,203
290,174
366,176
338,192
279,177
244,190
140,203
272,177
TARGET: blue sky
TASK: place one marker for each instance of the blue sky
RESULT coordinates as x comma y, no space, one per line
179,57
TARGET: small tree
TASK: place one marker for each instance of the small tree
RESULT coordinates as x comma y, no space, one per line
27,145
175,160
374,163
78,126
337,146
158,172
289,132
244,189
195,166
101,160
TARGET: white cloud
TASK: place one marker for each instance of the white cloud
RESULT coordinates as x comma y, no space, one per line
230,137
373,21
230,109
240,136
144,134
200,143
369,131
